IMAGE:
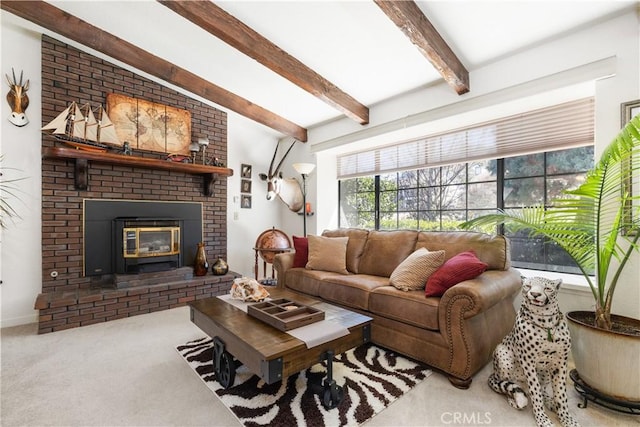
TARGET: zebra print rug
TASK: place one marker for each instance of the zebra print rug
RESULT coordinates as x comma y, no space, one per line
372,378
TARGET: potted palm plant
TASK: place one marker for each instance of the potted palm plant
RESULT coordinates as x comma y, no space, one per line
598,225
8,191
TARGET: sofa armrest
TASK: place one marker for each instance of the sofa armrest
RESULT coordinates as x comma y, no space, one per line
283,262
483,292
475,315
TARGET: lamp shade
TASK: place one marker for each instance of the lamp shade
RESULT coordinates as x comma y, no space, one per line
304,168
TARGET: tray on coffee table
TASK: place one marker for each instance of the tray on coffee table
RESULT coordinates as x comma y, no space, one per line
285,314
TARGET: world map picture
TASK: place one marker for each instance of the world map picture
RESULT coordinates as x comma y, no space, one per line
149,126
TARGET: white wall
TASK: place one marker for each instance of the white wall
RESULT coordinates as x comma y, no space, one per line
623,87
20,244
248,143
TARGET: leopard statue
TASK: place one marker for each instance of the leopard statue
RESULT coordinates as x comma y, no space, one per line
534,355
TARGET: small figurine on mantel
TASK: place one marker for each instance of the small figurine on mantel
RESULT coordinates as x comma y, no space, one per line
126,148
214,161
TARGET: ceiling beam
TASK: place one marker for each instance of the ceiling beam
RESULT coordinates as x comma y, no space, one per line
60,22
227,28
414,24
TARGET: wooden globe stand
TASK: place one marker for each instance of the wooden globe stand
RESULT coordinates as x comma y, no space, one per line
268,244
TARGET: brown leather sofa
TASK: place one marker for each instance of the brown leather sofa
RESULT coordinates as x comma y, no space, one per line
455,333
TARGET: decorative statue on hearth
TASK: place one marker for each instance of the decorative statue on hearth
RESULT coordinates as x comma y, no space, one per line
220,267
200,264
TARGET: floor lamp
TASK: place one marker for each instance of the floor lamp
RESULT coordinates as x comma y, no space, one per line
304,169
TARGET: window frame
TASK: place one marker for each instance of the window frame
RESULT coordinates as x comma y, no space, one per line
500,180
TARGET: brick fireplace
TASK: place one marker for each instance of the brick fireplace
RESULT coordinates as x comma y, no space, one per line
70,297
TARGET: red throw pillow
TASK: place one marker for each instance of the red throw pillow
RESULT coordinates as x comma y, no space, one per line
464,266
301,245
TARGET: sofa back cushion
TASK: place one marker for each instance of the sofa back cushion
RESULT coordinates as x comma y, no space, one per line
460,267
327,254
385,250
301,245
355,246
413,272
492,250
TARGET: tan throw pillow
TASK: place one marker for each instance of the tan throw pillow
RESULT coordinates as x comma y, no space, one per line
413,272
328,254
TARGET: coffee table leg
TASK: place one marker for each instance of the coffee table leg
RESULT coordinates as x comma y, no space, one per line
223,364
331,393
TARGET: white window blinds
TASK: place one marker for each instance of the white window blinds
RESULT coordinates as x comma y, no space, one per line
552,128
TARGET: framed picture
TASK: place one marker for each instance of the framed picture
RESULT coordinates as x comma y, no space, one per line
627,111
245,186
245,202
245,171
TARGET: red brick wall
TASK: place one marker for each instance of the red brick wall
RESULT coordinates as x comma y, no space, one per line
69,74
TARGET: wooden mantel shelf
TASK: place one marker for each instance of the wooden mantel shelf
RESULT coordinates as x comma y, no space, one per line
210,173
141,162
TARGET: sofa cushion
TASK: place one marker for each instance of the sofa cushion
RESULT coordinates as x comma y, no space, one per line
308,281
301,245
352,290
464,266
385,250
413,272
355,247
492,250
408,307
328,254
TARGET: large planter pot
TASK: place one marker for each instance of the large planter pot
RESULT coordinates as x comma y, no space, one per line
608,361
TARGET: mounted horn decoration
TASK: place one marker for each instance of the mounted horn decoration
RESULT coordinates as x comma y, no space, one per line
18,100
287,189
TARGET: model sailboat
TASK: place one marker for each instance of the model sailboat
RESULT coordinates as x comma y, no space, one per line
79,128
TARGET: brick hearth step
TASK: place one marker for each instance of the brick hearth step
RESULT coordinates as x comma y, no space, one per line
71,309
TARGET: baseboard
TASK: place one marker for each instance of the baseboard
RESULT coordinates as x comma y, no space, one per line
18,321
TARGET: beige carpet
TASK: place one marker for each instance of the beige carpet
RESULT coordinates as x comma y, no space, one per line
128,373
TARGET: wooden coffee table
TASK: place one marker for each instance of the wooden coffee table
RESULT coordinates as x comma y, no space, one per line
270,353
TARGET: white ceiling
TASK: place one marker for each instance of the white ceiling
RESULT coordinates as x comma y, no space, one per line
351,43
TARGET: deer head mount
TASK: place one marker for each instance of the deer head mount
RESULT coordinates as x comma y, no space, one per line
287,189
18,100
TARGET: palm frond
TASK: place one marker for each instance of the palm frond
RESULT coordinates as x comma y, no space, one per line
589,223
8,192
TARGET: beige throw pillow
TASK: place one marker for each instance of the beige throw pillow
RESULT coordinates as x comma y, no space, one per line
328,254
413,272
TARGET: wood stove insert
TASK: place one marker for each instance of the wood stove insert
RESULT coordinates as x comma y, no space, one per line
151,227
144,245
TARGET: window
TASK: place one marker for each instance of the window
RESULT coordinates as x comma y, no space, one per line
441,197
537,178
438,181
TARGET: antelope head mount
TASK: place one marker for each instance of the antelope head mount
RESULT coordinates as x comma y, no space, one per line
18,100
287,189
